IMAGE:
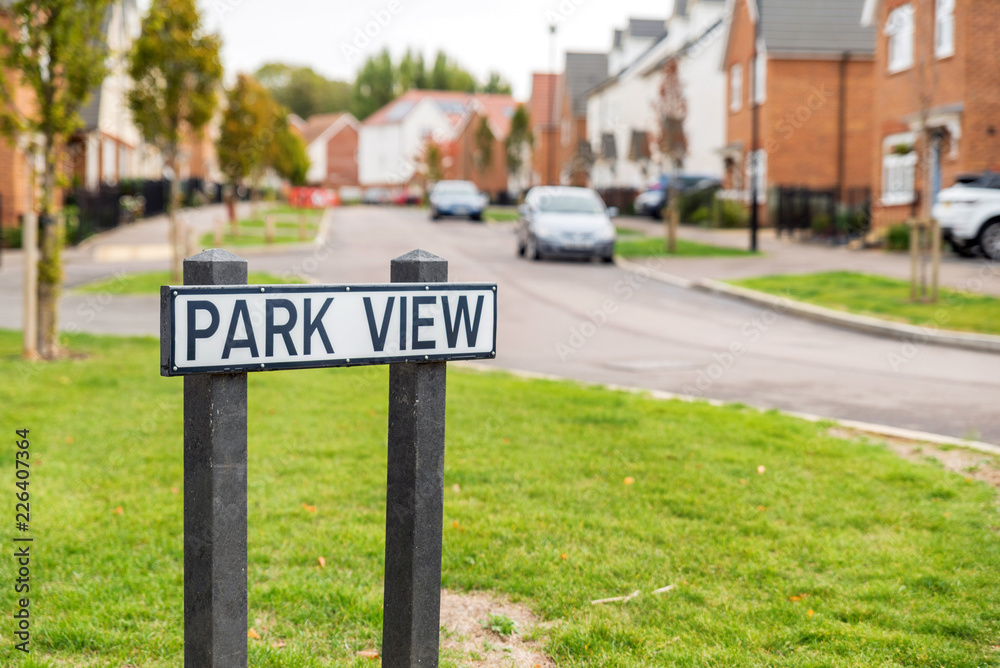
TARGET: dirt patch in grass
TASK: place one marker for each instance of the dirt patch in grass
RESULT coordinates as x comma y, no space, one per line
465,640
970,463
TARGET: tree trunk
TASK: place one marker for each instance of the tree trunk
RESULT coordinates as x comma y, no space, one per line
177,239
49,264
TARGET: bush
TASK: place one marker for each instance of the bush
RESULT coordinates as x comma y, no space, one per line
11,237
897,238
701,215
732,214
820,223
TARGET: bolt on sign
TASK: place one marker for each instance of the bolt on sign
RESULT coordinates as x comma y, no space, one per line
258,328
216,328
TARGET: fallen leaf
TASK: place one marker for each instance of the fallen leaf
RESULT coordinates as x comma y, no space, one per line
629,480
456,488
253,634
454,525
278,645
563,556
309,509
810,613
174,490
368,654
506,440
322,562
794,598
761,508
761,469
69,439
119,510
947,514
743,481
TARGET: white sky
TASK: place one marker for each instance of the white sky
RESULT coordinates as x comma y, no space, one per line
506,35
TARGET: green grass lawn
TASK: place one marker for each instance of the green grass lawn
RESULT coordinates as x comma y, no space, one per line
656,247
838,554
884,298
286,228
150,282
501,215
627,232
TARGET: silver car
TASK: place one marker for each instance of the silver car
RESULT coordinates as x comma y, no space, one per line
457,198
558,221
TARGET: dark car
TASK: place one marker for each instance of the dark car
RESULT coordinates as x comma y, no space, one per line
651,202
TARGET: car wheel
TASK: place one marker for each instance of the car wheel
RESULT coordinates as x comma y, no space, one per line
435,214
478,217
531,250
608,259
989,239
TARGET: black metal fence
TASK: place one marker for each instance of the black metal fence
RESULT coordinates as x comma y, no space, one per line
622,198
112,205
823,213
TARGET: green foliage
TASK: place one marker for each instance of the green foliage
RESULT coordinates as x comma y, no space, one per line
884,297
176,70
288,154
149,283
412,72
303,90
496,85
501,624
432,160
894,559
820,224
732,214
447,75
11,237
518,139
701,215
484,145
897,238
375,86
247,131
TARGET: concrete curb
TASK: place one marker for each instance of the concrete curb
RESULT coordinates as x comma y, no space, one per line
854,425
866,324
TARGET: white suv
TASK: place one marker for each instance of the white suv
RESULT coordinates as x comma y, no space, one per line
969,214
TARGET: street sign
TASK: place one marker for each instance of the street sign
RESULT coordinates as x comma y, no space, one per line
235,329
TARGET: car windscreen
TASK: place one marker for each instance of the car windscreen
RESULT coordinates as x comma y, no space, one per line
455,189
569,204
985,181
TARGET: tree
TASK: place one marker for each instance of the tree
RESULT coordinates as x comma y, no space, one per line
304,91
447,75
430,163
176,70
375,86
54,48
412,72
496,85
288,156
672,140
484,145
247,132
518,143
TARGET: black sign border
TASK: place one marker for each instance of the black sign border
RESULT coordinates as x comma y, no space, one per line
172,292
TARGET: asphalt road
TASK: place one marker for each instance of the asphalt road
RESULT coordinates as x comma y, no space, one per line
600,323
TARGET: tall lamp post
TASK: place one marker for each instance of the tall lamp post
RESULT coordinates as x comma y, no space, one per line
553,122
755,133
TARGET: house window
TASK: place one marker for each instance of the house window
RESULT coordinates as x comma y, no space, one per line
944,28
760,157
899,28
760,78
899,173
736,87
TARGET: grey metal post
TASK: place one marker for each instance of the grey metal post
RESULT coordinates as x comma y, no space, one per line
411,609
215,496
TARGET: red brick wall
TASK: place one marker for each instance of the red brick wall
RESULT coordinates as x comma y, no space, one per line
971,77
492,179
342,158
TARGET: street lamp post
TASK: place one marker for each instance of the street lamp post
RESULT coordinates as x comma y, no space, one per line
755,132
553,124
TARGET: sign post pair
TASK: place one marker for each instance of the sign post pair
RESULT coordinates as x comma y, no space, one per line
215,329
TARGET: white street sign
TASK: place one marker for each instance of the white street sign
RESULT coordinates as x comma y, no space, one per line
230,329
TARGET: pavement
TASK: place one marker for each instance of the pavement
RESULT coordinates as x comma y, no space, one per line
608,325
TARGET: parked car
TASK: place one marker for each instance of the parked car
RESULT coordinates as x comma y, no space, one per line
651,202
566,222
969,215
457,198
375,196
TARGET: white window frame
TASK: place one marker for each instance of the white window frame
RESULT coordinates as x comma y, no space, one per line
736,87
944,28
899,177
899,28
760,77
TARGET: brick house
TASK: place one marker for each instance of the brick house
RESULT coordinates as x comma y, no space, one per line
332,145
17,183
583,71
468,163
812,82
544,128
934,59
